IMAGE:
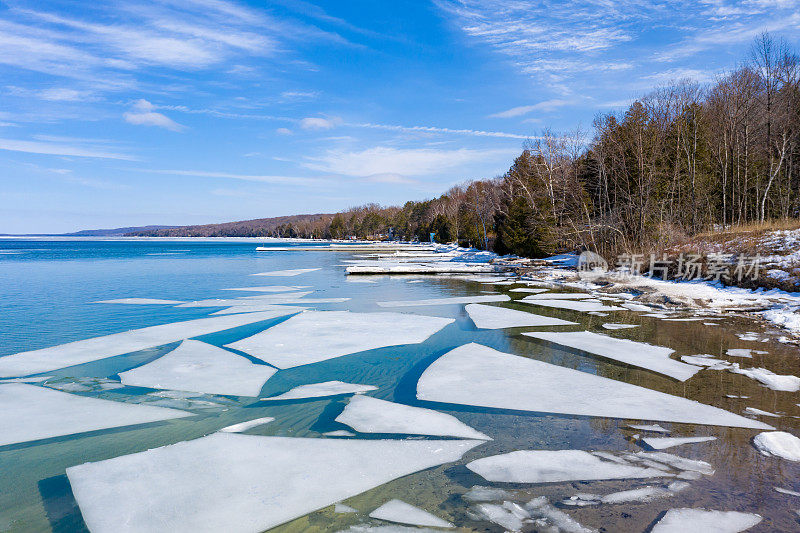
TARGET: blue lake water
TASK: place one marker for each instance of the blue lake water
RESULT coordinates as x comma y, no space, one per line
48,289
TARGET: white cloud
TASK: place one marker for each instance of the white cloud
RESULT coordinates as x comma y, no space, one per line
434,129
59,149
283,131
291,180
319,123
547,105
382,161
143,114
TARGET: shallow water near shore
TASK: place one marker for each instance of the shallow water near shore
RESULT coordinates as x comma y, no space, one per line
48,289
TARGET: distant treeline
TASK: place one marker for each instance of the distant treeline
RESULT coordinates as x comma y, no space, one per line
685,158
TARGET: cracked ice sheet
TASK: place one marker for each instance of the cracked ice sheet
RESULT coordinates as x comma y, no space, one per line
401,512
584,306
140,301
371,415
492,317
314,336
655,358
271,288
85,351
478,375
551,466
683,520
286,273
662,443
242,483
458,300
778,382
261,299
199,367
28,412
319,390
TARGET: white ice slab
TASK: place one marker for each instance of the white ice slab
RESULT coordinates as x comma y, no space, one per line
612,325
550,466
241,483
662,443
244,426
787,491
787,383
199,367
28,412
541,510
648,427
759,412
339,433
739,352
371,415
401,512
286,273
492,317
261,299
702,360
559,296
478,375
140,301
684,520
529,290
85,351
260,308
342,508
584,306
457,300
509,515
318,390
778,444
271,288
637,307
314,336
655,358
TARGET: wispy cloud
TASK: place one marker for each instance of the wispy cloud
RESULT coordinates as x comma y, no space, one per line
320,123
435,129
278,180
547,105
60,149
143,114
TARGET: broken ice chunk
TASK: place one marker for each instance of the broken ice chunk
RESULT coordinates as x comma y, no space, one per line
787,491
648,427
485,494
683,520
611,325
457,300
318,390
314,336
778,444
402,513
339,433
769,379
662,443
371,415
759,412
508,515
492,317
199,367
342,508
559,296
286,273
541,508
584,306
244,426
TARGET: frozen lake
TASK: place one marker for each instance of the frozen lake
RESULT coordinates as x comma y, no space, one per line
446,385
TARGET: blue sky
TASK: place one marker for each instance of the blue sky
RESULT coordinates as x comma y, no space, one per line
128,113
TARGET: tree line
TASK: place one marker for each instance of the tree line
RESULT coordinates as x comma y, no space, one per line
685,158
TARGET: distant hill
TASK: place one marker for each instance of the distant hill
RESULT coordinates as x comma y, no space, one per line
286,226
116,232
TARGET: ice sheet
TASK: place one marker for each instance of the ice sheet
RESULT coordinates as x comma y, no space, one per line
262,299
371,415
655,358
317,390
403,513
529,290
478,375
662,443
648,427
457,300
29,412
79,352
612,325
684,520
286,273
492,317
778,444
559,296
242,483
584,306
550,466
199,367
787,383
250,424
314,336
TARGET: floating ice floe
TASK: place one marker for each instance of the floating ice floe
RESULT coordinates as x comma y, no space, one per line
242,483
85,351
655,358
662,443
550,466
778,444
199,367
787,383
271,288
140,301
743,352
787,491
286,273
509,515
403,513
263,299
636,307
675,461
585,306
457,300
540,511
529,290
339,433
560,296
611,325
478,375
314,336
371,415
250,424
685,319
749,336
485,494
260,308
706,361
639,495
343,509
29,412
318,390
492,317
683,520
648,427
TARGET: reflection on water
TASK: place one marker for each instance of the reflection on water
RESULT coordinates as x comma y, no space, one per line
47,289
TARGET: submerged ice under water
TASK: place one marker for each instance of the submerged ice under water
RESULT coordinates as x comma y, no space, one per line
203,456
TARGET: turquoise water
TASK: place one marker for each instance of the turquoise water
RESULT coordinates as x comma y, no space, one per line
48,289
